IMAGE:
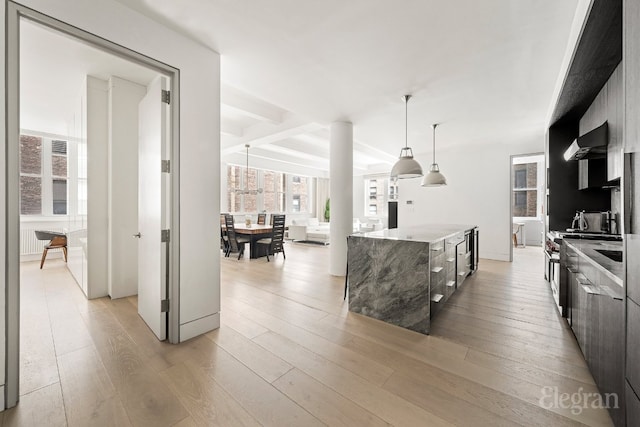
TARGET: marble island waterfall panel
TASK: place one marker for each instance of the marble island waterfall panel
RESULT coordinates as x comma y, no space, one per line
389,281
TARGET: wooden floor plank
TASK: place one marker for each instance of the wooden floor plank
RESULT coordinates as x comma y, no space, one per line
259,398
43,407
260,361
381,403
206,401
324,403
90,397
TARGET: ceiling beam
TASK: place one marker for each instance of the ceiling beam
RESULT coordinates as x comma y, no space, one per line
250,107
264,133
230,129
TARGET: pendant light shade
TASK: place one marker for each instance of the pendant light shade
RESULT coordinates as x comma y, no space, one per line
434,178
246,190
406,166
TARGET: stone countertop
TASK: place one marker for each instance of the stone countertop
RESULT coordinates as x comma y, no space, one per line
424,233
612,269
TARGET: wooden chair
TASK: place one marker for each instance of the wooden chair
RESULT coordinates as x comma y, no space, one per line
276,241
236,244
262,218
56,241
224,240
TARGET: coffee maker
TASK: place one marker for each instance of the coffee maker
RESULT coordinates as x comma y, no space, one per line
594,222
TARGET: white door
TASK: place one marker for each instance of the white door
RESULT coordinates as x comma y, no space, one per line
153,204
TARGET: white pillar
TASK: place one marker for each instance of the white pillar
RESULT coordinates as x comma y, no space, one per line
341,192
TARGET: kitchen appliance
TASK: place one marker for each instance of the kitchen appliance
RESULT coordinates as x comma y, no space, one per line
591,145
594,222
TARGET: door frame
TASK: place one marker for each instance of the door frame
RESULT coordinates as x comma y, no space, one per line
544,199
14,13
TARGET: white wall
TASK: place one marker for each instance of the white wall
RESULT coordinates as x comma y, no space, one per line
3,198
124,97
478,193
97,180
199,144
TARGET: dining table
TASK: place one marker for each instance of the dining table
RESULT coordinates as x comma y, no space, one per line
255,232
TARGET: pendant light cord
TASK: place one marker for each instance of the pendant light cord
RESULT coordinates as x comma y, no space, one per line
433,126
406,121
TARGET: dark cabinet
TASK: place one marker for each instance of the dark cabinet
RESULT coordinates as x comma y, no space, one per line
632,406
608,351
597,316
579,311
633,345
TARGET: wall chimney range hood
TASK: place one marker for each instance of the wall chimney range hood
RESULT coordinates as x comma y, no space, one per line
591,145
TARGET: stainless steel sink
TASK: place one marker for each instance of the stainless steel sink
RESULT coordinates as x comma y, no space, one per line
613,255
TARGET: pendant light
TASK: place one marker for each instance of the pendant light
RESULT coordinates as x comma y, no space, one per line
434,178
246,183
406,166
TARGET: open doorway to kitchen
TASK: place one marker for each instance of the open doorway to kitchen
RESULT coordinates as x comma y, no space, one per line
74,163
527,203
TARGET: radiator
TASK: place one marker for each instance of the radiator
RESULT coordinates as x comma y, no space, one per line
29,245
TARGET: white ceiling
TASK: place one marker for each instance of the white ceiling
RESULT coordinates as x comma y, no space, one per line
53,68
485,70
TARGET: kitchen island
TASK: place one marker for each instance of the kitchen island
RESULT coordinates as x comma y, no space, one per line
403,276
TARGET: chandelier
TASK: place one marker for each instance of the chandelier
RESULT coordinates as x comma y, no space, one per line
246,182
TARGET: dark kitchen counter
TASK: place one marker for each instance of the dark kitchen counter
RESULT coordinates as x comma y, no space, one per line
588,248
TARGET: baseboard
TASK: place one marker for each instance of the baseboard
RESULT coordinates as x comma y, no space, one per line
2,408
199,326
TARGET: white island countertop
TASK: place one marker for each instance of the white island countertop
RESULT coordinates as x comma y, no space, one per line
421,233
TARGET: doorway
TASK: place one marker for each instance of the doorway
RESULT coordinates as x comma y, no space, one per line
527,203
17,18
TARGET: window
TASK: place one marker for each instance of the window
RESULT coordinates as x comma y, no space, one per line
525,189
59,176
300,193
44,176
274,191
279,189
378,191
30,175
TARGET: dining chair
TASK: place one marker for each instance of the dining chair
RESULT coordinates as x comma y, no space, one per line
262,218
224,240
56,241
236,243
276,241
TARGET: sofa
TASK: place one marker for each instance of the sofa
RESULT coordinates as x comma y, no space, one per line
370,224
309,230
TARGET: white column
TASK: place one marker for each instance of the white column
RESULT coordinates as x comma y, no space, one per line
341,193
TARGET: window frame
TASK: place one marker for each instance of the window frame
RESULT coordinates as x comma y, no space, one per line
47,177
539,189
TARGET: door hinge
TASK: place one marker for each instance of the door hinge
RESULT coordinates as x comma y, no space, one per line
164,306
166,166
166,97
165,236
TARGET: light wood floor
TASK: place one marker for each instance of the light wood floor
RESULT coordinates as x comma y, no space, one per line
289,353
